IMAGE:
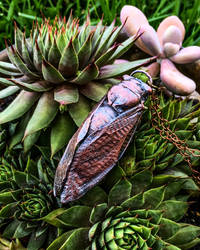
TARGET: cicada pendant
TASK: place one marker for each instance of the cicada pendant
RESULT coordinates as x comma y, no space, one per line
101,140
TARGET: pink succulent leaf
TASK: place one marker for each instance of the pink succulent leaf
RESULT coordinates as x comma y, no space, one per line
172,35
150,40
187,55
118,61
153,69
133,19
171,49
174,80
167,22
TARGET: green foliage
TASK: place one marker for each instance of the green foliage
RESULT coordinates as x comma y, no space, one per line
25,11
127,218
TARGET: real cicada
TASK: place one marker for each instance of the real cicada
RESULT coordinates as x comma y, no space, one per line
101,140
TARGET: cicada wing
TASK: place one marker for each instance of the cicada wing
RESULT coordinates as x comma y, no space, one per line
98,154
67,157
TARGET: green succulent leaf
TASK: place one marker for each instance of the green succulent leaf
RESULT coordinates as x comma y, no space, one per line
21,104
43,115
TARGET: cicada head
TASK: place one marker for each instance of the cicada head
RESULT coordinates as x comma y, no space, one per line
129,93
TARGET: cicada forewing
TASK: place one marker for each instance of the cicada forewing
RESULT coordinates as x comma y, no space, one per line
89,158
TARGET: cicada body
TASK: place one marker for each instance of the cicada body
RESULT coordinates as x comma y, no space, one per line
101,140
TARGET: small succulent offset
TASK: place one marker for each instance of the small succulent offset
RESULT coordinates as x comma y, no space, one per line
166,44
57,73
136,213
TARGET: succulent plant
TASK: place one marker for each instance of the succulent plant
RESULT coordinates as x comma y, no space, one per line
166,44
165,145
134,213
58,73
10,245
25,197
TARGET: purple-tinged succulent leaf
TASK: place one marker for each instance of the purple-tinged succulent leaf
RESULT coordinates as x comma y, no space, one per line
87,74
54,54
187,55
85,52
123,47
51,74
174,80
18,39
6,82
170,49
69,64
43,114
40,86
104,39
103,59
66,94
94,90
9,67
16,60
26,55
37,57
19,106
150,40
8,91
113,70
167,22
172,35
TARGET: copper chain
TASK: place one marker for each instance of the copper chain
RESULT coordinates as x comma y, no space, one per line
163,127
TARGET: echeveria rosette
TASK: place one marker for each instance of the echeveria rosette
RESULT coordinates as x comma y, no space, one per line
166,44
136,213
25,198
57,74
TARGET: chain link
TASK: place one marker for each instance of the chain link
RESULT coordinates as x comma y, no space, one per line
163,127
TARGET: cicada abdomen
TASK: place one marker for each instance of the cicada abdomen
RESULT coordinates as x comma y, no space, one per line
101,140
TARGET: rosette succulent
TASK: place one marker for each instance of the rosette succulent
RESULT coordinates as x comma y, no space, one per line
136,213
25,197
163,145
166,44
57,73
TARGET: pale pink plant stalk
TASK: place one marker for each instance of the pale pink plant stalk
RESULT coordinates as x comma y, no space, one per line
166,44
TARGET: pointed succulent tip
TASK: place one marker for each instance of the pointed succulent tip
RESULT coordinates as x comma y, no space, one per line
166,23
174,80
187,55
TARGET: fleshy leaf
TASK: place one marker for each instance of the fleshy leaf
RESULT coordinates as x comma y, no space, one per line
80,110
8,91
110,71
66,94
87,74
187,55
43,115
68,64
51,74
40,86
116,197
94,90
62,130
21,104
